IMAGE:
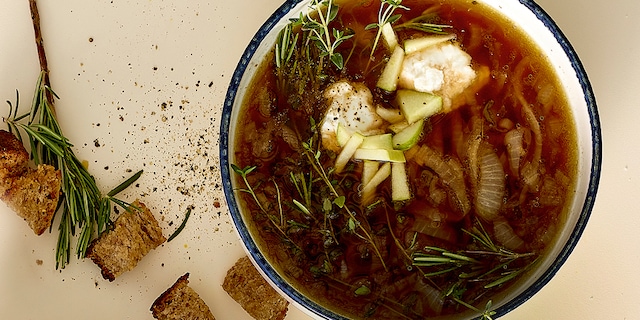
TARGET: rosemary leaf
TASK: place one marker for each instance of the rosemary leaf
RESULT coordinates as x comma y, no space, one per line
440,272
184,223
125,184
502,280
459,257
301,207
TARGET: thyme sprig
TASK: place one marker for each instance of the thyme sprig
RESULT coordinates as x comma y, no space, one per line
304,183
385,15
278,222
316,21
354,225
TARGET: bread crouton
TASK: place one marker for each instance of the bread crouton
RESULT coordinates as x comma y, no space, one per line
136,232
32,193
14,158
181,302
244,284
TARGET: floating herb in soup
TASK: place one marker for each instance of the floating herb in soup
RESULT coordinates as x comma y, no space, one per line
405,159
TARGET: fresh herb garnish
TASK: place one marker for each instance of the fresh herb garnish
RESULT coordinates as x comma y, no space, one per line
277,221
82,205
490,264
425,23
316,21
385,15
285,46
354,225
184,223
308,184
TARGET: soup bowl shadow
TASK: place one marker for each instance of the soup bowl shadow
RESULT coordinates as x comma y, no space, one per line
543,30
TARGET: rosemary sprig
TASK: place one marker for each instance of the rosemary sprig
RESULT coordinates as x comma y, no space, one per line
285,45
424,24
491,265
385,15
316,21
82,205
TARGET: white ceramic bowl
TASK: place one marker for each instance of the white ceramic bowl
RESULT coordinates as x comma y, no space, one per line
541,28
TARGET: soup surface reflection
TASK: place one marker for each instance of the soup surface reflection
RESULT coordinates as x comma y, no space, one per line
441,220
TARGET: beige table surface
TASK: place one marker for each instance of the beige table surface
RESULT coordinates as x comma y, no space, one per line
142,84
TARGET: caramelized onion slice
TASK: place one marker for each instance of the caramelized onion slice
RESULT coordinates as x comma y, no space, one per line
516,142
450,172
491,185
506,236
430,221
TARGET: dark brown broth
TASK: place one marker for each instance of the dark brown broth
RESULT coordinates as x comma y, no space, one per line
399,291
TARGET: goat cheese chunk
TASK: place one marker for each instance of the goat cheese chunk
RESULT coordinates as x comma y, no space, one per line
443,69
350,105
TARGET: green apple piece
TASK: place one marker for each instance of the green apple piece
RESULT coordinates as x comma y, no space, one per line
342,134
347,151
399,182
378,141
389,36
398,126
368,192
389,78
369,169
417,105
390,115
409,136
379,155
418,44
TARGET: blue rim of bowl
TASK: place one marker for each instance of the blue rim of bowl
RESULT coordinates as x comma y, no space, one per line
320,311
596,161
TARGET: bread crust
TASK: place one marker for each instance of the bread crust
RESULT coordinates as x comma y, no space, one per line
180,302
136,232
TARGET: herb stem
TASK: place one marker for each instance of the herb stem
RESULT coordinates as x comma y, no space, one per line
44,66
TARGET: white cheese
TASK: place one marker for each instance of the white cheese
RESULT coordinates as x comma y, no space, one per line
443,69
351,105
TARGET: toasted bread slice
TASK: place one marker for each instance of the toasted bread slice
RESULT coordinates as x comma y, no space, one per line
136,232
181,302
244,284
34,195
